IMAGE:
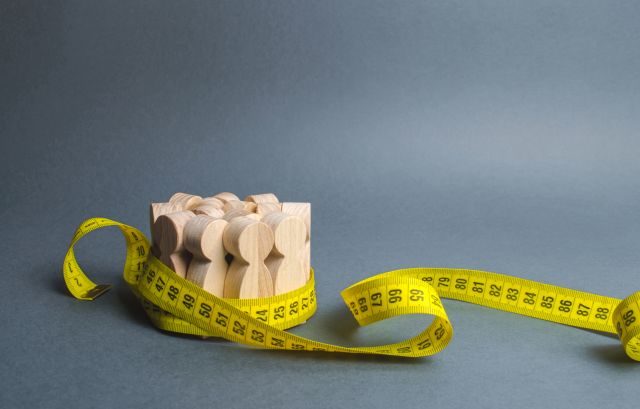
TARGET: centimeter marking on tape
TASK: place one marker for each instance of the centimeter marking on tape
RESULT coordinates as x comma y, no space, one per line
175,304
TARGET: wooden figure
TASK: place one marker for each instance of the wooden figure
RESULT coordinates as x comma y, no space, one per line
284,263
226,196
250,206
303,210
203,239
232,214
156,210
264,209
262,198
169,231
209,209
250,242
212,201
185,200
239,204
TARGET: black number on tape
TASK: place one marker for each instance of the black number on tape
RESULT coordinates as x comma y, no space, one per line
602,313
583,310
160,284
461,283
478,287
222,320
395,295
150,275
565,305
173,292
628,318
547,302
205,310
530,298
188,300
293,308
416,294
257,336
512,294
278,313
261,315
363,304
277,342
238,328
424,344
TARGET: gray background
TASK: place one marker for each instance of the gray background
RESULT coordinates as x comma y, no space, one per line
498,135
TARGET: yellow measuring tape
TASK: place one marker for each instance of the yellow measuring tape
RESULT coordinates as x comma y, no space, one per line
175,304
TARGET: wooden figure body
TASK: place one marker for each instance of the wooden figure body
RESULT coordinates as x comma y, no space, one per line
284,262
169,232
185,200
303,210
250,242
203,239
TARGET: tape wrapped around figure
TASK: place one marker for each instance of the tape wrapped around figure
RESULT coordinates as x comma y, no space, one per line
175,304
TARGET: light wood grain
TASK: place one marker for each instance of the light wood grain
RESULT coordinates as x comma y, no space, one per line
264,209
284,262
226,196
232,214
250,242
209,210
169,230
203,239
156,210
185,200
303,210
262,198
238,204
212,201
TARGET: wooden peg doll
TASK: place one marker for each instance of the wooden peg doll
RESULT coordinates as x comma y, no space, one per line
303,210
250,242
169,229
284,262
203,239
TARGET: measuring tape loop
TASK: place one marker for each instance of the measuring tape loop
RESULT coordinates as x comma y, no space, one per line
178,305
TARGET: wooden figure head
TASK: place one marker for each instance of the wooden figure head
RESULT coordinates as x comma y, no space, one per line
185,200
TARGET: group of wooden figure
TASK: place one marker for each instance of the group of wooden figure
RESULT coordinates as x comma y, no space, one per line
232,248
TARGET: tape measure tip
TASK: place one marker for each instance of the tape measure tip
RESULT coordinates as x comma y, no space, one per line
96,292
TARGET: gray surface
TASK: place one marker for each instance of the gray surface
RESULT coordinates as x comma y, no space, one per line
493,135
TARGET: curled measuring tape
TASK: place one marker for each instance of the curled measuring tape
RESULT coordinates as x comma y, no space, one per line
175,304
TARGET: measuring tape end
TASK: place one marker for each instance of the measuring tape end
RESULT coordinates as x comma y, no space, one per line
95,292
